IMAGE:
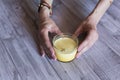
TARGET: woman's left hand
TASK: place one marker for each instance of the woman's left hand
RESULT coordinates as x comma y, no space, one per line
88,26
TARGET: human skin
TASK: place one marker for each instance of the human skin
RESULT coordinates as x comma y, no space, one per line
89,25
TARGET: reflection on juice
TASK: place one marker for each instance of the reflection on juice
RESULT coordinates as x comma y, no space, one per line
65,48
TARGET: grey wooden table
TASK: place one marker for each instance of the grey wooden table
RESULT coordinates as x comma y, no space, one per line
19,51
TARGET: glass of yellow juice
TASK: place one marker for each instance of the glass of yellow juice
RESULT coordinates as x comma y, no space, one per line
65,46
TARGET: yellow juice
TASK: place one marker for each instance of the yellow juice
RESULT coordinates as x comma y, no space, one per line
65,48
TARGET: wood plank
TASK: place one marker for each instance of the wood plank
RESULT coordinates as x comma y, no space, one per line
63,18
19,55
27,67
103,62
7,69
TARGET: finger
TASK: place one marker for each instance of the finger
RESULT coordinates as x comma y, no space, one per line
56,30
48,44
83,45
82,51
78,31
87,43
89,39
93,37
42,53
48,51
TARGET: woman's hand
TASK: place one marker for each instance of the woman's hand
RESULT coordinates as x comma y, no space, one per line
87,26
47,25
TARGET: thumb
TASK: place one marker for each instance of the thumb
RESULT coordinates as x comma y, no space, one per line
78,31
58,31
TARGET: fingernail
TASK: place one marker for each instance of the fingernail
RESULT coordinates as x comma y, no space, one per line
54,58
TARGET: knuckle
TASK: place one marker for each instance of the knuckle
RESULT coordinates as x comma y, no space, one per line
42,31
41,49
47,43
56,28
49,48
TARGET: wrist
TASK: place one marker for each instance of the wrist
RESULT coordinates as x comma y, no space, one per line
45,9
44,12
48,1
93,19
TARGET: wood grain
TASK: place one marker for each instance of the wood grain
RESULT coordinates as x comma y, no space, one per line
19,50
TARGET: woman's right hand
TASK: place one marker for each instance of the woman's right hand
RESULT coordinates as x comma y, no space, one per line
47,25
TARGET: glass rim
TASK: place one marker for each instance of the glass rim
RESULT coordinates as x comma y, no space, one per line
68,35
